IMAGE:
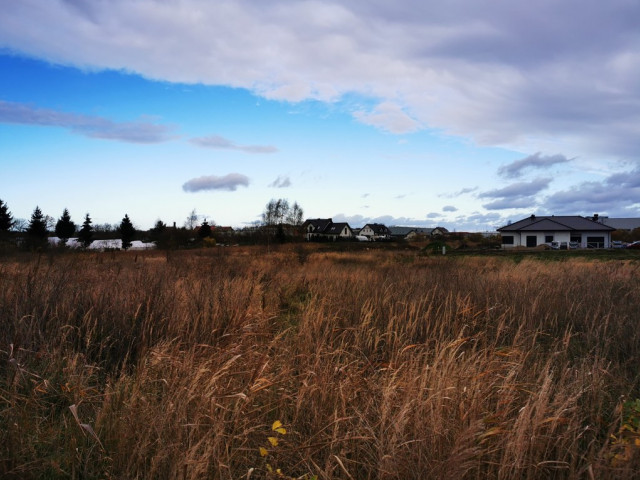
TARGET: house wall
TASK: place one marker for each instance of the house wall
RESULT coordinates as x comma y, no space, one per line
367,232
520,238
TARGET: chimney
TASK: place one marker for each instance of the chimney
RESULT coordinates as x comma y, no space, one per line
533,217
595,217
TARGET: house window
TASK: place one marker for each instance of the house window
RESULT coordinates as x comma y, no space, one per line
595,242
507,240
548,238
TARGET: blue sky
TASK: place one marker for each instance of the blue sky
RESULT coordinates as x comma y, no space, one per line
460,114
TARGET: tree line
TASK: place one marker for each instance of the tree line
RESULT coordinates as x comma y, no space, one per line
277,217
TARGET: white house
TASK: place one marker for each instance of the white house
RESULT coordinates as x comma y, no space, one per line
537,230
375,231
337,231
326,229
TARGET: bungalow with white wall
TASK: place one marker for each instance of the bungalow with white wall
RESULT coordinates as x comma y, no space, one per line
537,230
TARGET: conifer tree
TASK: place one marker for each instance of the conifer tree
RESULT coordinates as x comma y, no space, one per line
6,219
205,230
85,235
65,228
37,228
127,232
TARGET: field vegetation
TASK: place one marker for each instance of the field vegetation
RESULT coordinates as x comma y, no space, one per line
305,363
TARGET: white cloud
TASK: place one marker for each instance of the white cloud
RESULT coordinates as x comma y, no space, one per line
519,74
211,182
390,117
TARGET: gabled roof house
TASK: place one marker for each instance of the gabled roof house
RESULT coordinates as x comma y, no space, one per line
537,230
325,229
375,231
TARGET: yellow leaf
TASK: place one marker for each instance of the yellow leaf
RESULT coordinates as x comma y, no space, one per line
273,441
277,427
269,468
637,442
263,452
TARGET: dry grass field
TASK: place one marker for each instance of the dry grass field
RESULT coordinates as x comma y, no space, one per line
379,365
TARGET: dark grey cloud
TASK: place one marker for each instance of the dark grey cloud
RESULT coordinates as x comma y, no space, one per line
211,182
535,161
519,189
218,142
616,195
516,195
87,125
281,182
449,208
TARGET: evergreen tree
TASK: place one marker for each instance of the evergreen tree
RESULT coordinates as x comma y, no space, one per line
6,219
161,235
205,230
37,229
159,228
127,232
65,228
85,235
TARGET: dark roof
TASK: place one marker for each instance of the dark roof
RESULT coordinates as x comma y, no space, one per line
556,224
336,228
378,228
319,224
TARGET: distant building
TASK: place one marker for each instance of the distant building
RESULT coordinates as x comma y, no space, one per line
537,230
326,229
375,231
410,233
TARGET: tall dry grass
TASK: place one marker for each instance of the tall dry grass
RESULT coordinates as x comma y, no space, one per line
380,366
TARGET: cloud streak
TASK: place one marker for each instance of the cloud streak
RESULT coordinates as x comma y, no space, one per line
221,143
229,182
281,182
537,161
86,125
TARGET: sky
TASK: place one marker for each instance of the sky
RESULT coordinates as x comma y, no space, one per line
462,114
